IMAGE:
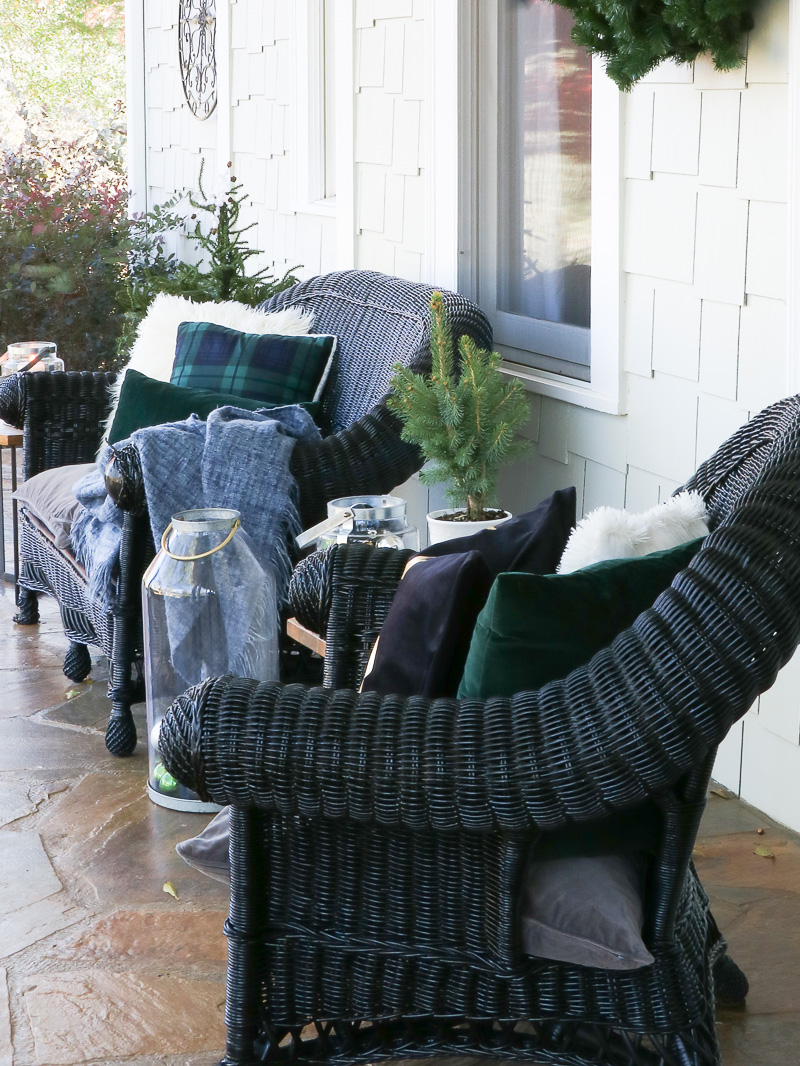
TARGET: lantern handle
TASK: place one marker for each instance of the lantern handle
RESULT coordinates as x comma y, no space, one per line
202,555
339,515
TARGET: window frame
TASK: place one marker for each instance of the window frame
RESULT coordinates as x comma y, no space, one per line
478,52
312,98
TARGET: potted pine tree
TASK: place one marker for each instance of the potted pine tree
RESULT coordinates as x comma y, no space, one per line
464,417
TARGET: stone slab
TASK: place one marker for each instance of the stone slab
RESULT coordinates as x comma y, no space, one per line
107,833
29,925
87,1016
144,936
730,862
6,1048
26,873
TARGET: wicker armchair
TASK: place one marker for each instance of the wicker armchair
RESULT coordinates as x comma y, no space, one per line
378,321
378,844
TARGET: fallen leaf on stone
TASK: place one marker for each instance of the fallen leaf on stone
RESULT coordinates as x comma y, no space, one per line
169,888
721,792
73,692
765,852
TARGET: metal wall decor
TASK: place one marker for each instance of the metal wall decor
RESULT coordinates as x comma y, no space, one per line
197,32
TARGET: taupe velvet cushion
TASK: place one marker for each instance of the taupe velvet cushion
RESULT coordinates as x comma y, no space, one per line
208,851
50,497
585,911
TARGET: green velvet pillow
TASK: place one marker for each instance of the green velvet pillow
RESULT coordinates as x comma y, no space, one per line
536,628
143,402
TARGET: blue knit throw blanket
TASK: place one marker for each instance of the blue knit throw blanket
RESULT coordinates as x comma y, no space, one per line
237,459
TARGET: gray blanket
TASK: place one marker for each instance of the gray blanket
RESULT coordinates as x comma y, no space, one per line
238,459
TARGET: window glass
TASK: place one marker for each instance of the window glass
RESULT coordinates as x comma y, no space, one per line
544,166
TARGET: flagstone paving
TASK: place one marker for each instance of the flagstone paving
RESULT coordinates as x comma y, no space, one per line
98,964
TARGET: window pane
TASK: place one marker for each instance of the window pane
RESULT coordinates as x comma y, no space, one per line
544,165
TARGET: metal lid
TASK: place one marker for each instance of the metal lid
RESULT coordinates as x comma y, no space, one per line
366,508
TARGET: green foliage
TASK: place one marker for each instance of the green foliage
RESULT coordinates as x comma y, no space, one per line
634,36
464,417
65,54
224,257
77,270
63,230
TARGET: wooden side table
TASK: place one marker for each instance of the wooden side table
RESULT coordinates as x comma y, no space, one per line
12,439
305,637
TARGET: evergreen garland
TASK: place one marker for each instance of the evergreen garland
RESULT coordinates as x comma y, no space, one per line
464,417
635,36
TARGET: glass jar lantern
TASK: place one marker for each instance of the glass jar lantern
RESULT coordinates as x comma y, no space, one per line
32,357
376,520
208,608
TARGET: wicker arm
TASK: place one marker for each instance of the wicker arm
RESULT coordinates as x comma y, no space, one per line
61,415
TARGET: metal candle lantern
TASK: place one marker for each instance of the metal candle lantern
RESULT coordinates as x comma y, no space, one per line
31,356
209,608
379,521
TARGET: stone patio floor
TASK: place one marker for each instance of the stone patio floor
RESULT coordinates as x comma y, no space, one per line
98,964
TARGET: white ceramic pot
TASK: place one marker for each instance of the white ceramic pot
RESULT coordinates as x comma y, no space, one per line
439,530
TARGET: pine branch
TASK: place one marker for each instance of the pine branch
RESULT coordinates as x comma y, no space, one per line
464,421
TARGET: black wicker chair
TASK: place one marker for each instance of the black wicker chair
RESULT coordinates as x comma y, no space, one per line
378,321
378,844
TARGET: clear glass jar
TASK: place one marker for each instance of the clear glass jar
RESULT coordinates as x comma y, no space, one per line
376,520
21,356
208,609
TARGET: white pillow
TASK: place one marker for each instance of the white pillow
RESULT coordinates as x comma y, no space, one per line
611,534
153,351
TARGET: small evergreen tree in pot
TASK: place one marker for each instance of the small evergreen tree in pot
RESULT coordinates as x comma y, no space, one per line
464,417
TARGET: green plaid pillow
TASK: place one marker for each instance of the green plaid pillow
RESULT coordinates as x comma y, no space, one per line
269,367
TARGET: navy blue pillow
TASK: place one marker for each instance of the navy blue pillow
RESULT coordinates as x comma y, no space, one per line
425,639
531,543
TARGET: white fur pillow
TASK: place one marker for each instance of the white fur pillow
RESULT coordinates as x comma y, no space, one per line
153,351
611,534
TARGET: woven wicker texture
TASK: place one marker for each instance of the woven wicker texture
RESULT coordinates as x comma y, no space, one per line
378,843
378,321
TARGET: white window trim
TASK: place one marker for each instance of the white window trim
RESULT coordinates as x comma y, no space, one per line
793,207
136,85
310,117
457,109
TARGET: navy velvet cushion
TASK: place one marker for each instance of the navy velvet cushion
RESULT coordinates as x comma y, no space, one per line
426,637
531,543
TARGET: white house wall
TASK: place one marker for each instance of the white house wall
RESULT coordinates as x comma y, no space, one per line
704,256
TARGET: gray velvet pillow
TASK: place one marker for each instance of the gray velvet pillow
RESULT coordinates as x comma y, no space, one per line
49,496
585,911
208,851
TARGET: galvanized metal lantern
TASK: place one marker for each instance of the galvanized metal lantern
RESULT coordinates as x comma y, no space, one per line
379,521
209,608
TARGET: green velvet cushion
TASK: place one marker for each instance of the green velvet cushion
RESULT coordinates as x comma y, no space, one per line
272,367
143,402
536,628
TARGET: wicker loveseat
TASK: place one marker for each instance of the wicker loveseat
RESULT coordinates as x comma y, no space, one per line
378,321
378,844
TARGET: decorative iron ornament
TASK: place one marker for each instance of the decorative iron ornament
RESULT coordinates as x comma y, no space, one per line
197,33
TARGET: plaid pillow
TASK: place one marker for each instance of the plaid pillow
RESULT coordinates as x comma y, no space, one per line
269,367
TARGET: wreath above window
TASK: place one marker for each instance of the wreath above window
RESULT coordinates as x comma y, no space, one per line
636,35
